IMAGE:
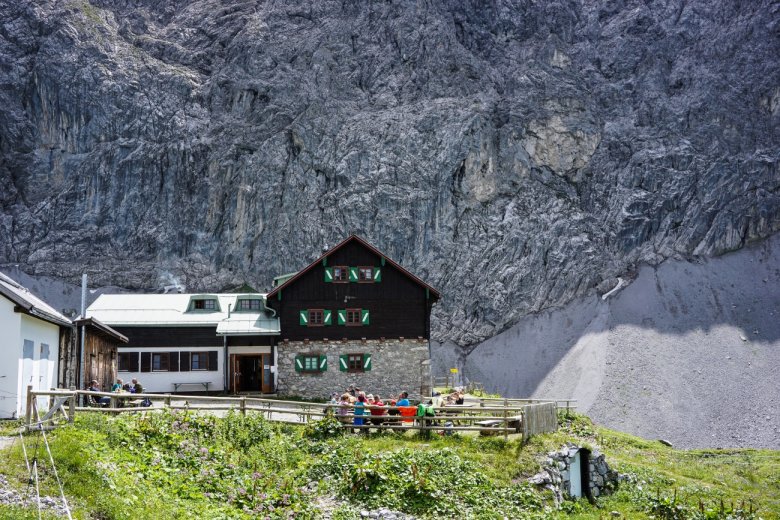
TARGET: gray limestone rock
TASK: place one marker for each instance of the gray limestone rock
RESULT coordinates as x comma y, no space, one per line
513,154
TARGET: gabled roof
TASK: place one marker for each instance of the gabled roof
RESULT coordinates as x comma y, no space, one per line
174,310
102,327
30,304
433,292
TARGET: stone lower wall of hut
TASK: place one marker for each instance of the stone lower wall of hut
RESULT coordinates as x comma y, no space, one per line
396,366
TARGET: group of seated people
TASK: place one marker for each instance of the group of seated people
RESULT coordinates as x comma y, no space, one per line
455,398
119,387
356,402
358,408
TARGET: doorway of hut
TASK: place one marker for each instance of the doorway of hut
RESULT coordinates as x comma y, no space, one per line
251,373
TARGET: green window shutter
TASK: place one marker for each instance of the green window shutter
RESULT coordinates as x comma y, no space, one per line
323,363
304,317
342,318
328,274
327,317
299,363
377,274
353,274
364,319
343,362
366,362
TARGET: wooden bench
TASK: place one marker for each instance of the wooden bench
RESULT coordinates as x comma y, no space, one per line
204,384
489,427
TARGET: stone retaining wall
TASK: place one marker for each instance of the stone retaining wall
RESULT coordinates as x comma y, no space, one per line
396,365
556,476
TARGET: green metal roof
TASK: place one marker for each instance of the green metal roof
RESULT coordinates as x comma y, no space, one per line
279,280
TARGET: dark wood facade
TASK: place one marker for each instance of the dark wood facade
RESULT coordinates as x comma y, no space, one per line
167,337
398,305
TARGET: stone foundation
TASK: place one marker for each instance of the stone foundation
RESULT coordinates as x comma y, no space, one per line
397,365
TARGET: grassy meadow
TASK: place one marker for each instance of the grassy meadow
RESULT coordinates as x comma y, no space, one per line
175,465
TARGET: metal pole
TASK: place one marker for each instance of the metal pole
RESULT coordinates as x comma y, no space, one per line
82,362
226,379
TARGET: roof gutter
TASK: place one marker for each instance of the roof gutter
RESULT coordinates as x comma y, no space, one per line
265,305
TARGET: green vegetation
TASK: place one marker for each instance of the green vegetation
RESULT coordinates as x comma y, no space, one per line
10,427
184,465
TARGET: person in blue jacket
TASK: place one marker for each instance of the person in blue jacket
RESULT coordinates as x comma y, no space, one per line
360,409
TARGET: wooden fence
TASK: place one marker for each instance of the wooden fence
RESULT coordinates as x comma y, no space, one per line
502,417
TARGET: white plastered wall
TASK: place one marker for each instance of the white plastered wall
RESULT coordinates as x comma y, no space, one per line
163,381
42,374
10,353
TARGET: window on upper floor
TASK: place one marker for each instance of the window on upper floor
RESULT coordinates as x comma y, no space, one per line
249,305
340,273
365,274
204,304
315,317
353,316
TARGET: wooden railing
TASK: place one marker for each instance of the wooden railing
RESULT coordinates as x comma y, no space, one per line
487,416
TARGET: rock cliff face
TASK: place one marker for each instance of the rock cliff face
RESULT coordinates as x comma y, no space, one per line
515,154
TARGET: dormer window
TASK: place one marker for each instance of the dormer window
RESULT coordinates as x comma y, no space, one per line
249,305
204,304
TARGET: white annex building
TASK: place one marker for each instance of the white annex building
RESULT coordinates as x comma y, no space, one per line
193,342
30,335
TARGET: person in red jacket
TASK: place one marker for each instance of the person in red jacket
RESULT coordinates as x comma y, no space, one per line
377,413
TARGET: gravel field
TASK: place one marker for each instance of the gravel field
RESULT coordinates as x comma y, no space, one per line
687,352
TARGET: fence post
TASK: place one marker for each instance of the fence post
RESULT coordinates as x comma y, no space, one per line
72,406
243,406
113,402
506,422
167,400
28,413
51,398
